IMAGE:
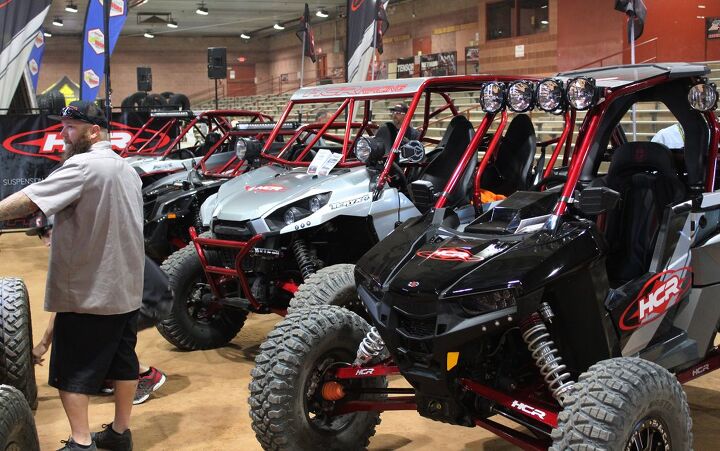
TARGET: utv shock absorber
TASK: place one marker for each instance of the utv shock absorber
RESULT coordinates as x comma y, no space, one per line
303,257
546,356
371,347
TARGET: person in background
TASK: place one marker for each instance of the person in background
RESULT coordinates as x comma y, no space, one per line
94,283
673,137
398,113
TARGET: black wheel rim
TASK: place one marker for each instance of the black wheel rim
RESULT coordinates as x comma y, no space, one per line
317,410
649,434
198,307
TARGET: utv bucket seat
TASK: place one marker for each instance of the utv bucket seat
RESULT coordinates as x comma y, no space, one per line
646,178
437,173
510,170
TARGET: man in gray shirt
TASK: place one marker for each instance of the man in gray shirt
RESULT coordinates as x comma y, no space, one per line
95,274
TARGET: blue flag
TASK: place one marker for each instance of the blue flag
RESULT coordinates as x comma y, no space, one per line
36,55
93,57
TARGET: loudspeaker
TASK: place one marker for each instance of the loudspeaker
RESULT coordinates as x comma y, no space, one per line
217,63
144,79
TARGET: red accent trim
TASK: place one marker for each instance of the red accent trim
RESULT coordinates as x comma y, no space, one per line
492,147
351,372
517,438
567,131
396,403
212,271
708,365
290,286
549,419
714,142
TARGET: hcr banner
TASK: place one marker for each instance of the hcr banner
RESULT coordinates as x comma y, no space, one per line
36,55
20,21
93,55
362,28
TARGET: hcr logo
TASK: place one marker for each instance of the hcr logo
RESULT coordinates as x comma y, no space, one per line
530,410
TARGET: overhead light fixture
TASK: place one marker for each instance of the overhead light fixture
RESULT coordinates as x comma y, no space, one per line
701,6
700,17
57,22
71,7
172,24
202,9
277,26
322,13
149,35
544,22
47,34
244,36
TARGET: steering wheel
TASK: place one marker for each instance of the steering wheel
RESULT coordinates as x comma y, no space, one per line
186,153
397,177
555,179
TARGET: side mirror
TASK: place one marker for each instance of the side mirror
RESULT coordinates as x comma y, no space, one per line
413,151
596,200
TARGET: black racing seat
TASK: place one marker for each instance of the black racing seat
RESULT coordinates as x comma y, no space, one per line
510,169
645,176
436,174
210,140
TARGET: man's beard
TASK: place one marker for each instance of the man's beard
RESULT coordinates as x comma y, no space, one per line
81,146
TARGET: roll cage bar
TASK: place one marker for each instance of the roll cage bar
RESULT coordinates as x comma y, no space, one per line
155,145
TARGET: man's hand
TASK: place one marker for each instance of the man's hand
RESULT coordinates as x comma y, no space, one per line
16,205
38,352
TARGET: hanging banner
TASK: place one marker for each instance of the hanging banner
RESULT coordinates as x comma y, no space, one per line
406,67
362,28
712,27
19,21
93,56
438,64
36,55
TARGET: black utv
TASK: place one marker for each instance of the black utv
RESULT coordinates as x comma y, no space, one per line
576,309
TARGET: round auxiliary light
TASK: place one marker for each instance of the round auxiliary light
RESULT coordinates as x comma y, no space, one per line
581,93
549,95
241,148
703,97
521,96
363,149
293,214
492,97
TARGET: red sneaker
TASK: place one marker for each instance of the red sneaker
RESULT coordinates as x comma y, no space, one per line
148,384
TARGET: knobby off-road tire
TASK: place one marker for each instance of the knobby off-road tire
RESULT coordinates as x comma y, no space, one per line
310,342
620,399
262,373
16,362
17,425
332,285
184,327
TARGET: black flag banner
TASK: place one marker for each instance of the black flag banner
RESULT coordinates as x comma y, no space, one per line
636,11
20,21
305,29
362,26
382,24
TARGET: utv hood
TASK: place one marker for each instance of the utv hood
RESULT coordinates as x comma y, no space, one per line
431,261
257,193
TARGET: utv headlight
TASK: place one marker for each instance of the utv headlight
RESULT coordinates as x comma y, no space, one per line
294,214
549,97
241,148
492,97
703,97
363,148
581,93
520,96
296,211
489,301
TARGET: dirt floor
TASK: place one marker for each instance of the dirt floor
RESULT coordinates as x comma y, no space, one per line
203,405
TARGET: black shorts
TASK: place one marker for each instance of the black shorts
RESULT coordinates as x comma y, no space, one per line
87,349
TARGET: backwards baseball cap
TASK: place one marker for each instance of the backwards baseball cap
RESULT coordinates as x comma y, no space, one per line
400,108
83,111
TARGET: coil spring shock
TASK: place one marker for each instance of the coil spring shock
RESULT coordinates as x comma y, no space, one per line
303,257
370,347
546,357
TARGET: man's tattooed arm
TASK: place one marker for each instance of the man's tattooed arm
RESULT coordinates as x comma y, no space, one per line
15,206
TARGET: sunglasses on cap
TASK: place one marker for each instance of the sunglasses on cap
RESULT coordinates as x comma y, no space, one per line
73,113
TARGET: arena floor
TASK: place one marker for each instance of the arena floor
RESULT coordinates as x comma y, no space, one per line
203,405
